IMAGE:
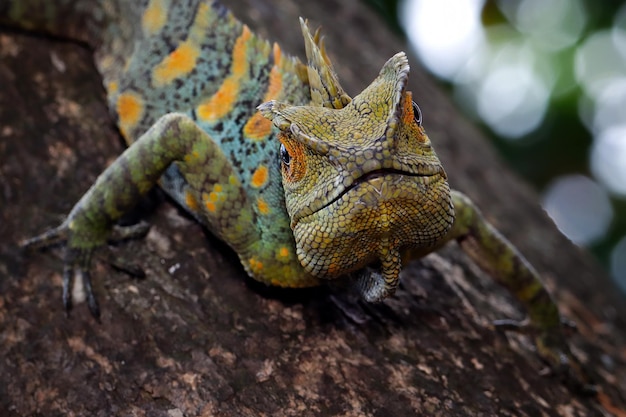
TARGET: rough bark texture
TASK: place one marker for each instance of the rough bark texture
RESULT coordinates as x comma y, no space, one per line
196,337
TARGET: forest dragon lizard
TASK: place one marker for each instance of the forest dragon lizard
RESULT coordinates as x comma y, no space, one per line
305,183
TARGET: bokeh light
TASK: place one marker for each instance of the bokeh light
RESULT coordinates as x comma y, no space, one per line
551,25
512,100
580,208
618,263
445,32
608,158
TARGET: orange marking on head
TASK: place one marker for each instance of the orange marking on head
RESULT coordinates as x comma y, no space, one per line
408,119
260,176
264,208
129,109
223,101
213,196
191,202
283,252
407,110
178,63
154,17
218,188
297,167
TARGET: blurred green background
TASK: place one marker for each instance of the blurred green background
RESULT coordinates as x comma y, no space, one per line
547,82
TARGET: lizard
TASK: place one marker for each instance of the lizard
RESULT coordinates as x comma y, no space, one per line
305,183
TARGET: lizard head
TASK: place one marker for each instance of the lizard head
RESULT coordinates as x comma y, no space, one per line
361,179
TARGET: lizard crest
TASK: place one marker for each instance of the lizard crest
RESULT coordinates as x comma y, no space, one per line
361,179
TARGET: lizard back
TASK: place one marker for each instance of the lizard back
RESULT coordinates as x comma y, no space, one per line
192,57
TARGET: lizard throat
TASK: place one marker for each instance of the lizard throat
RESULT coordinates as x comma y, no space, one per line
379,213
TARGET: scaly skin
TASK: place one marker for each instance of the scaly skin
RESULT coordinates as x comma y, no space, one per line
362,190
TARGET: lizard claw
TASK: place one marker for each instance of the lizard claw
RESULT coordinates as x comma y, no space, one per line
68,275
553,349
78,261
506,325
92,301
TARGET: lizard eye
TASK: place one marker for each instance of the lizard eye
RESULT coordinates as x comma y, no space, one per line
417,113
285,158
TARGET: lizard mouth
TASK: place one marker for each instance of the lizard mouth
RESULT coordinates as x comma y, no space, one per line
426,175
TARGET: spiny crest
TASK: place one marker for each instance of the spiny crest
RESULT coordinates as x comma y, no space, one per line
367,122
325,88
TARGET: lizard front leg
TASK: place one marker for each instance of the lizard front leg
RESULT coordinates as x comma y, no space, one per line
174,138
495,254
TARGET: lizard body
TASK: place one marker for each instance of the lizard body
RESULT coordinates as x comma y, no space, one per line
313,185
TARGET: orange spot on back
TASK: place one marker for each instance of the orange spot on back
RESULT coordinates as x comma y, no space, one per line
222,102
260,176
129,109
264,208
112,87
258,127
154,17
202,20
178,63
283,252
278,55
275,85
240,50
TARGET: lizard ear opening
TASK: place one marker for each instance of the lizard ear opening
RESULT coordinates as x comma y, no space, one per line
325,88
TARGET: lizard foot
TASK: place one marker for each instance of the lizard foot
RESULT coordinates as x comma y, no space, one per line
78,251
553,349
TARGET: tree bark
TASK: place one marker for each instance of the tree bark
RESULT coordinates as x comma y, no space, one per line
197,337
